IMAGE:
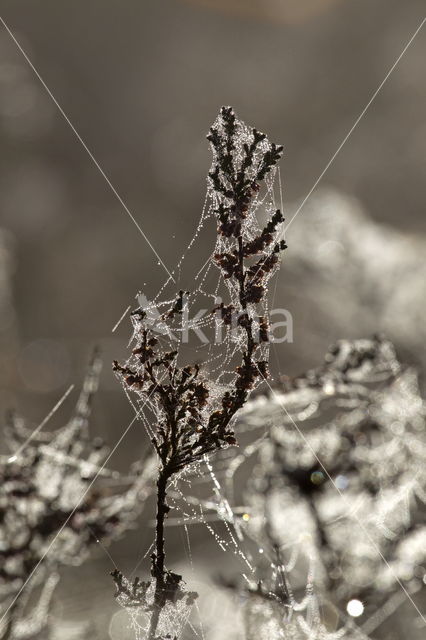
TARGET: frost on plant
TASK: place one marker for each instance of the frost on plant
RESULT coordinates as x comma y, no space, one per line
52,511
191,406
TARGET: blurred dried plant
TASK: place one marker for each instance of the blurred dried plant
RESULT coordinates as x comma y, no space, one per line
358,277
52,512
340,481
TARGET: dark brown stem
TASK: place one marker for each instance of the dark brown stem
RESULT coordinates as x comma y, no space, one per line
242,295
162,509
158,557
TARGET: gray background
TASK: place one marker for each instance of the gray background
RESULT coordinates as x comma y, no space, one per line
142,82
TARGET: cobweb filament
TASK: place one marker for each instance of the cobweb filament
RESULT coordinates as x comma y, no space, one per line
194,509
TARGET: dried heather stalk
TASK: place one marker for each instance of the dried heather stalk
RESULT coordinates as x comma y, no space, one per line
192,413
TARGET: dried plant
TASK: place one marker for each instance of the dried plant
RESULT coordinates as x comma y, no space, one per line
192,409
354,288
52,512
274,611
345,492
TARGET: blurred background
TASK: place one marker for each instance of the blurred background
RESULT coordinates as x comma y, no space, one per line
141,82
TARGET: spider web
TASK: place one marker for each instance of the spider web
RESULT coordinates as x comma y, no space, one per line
205,339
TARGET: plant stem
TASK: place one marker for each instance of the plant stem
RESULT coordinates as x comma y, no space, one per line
158,557
162,509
